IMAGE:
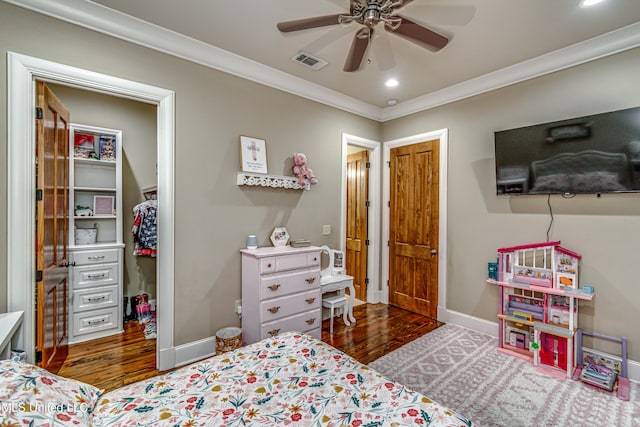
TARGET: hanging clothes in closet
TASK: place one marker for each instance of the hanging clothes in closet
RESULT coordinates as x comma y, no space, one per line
145,227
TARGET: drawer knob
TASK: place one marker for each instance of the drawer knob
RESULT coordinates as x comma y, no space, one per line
269,265
274,287
94,299
311,321
96,322
310,280
274,310
274,332
95,257
96,276
310,300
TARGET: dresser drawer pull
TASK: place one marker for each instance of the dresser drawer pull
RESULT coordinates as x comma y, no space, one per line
95,257
310,280
274,332
310,300
311,321
274,287
269,265
96,322
274,310
94,299
96,276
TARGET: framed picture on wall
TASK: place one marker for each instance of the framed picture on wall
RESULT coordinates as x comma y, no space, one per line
253,154
103,205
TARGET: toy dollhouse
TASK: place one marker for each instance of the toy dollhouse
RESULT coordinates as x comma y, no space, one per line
538,304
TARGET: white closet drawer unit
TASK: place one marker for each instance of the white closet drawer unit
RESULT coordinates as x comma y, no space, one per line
309,322
280,291
95,298
95,275
277,308
100,256
95,321
96,293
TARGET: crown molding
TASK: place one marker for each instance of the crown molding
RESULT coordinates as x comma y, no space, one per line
113,23
598,47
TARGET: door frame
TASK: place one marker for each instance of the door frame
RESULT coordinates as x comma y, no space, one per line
373,222
22,73
443,136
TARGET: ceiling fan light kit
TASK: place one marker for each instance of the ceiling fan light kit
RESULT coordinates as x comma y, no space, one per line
370,13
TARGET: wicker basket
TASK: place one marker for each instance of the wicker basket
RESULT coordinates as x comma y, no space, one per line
228,339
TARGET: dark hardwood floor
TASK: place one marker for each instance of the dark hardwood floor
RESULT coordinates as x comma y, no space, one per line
379,330
111,362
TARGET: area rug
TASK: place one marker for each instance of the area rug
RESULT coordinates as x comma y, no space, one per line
463,370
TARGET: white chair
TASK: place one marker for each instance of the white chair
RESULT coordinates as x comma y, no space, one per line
333,302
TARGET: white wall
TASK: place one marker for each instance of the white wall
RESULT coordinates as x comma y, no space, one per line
213,215
605,231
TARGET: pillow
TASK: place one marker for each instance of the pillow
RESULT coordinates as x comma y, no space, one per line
30,395
589,182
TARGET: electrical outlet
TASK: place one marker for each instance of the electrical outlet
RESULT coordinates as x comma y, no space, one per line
326,230
238,306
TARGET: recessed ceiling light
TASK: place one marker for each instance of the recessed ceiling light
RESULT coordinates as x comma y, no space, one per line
391,83
588,3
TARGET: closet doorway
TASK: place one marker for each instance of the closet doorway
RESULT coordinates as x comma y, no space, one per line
360,214
138,123
23,72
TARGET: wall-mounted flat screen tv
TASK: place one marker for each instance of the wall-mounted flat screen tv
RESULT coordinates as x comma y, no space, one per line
595,154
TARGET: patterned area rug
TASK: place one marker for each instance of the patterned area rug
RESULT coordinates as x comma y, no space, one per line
462,370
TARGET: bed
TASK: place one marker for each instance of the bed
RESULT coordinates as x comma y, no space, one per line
588,171
292,379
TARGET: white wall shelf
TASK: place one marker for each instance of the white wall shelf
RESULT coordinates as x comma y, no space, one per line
273,181
95,308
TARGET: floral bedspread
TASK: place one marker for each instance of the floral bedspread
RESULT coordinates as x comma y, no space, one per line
290,380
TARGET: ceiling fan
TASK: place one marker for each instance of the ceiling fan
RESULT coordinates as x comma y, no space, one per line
370,13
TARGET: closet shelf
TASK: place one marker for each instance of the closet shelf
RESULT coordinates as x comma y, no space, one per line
273,181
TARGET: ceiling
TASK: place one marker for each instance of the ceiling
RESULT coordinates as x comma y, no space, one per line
492,43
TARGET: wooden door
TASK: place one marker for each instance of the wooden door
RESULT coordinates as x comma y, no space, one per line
52,193
413,228
356,244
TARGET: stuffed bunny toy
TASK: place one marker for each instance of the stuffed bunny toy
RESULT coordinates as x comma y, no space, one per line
301,171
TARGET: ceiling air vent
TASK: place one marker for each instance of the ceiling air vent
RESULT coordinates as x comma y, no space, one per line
308,60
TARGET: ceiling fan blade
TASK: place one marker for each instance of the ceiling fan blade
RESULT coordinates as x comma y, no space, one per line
401,3
306,23
358,49
420,35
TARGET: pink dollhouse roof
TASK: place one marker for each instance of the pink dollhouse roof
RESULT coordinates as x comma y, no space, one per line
555,245
568,252
530,246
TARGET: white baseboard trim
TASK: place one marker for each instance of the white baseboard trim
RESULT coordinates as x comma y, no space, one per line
467,321
491,328
375,297
194,351
166,358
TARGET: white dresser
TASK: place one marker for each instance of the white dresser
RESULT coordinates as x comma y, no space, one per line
96,293
280,292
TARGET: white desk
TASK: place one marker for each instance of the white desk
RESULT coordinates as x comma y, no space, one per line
340,283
